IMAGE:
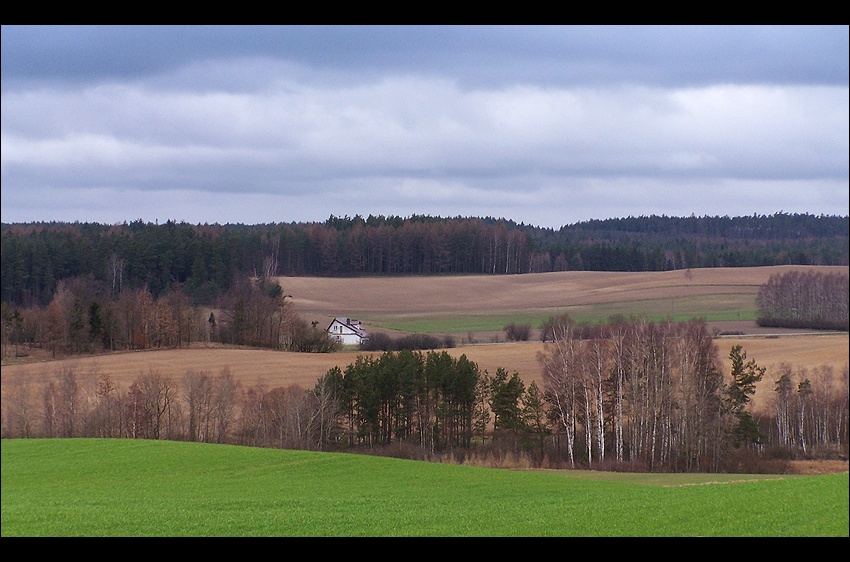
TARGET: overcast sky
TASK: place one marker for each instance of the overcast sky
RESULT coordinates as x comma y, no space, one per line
543,125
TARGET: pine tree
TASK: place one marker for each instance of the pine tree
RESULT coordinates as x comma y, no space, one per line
738,392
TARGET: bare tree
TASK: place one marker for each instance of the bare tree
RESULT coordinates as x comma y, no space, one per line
56,329
270,260
198,394
782,404
50,410
617,335
68,391
600,367
18,411
696,383
656,385
843,399
804,389
805,299
116,270
560,373
103,420
327,409
252,422
225,399
157,394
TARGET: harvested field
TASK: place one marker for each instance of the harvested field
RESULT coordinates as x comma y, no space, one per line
248,366
274,368
418,298
479,306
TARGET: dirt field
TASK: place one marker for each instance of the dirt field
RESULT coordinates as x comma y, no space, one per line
381,297
379,301
367,296
251,366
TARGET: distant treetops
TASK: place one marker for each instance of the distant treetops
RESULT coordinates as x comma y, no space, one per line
203,261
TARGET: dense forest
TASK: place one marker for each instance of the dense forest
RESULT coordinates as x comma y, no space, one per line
205,261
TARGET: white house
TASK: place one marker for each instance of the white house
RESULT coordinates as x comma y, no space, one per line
347,331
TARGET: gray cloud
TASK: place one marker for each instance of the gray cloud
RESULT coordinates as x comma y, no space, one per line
545,125
564,55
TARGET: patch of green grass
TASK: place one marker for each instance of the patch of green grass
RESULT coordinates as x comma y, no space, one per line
90,487
710,308
460,323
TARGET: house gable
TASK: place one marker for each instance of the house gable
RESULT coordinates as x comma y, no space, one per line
347,331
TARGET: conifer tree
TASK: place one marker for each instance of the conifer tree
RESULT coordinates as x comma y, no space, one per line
738,392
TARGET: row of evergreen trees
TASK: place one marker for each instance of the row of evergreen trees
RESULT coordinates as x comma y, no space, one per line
205,260
408,396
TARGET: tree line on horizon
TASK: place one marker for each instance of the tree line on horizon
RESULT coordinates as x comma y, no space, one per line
634,395
205,261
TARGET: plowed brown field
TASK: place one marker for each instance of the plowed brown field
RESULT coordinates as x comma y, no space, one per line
459,296
724,293
542,291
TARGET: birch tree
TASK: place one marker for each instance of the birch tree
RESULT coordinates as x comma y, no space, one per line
782,404
225,399
560,372
600,367
804,390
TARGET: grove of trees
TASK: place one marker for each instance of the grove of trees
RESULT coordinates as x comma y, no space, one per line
85,317
628,395
811,299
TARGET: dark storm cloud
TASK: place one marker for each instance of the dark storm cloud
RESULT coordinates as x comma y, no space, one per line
689,55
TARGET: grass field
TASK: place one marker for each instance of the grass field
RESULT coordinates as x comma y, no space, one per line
710,308
107,488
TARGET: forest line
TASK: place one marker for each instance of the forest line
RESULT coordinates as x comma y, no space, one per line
204,261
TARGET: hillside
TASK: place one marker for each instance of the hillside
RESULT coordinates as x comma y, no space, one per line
122,487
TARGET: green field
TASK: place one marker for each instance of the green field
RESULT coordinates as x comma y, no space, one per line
91,487
714,308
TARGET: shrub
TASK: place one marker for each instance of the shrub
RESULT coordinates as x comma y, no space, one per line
517,332
411,342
